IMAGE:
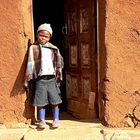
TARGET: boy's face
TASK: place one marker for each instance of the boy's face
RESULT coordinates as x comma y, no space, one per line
43,37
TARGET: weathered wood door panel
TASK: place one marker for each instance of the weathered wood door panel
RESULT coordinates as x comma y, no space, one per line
81,71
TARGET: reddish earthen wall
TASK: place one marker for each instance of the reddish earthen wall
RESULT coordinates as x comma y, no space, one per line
16,30
120,63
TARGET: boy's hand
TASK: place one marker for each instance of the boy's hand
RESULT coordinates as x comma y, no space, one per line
58,76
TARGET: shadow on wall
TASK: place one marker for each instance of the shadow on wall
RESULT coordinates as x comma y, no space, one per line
19,88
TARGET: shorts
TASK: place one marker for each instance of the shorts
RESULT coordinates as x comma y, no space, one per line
46,92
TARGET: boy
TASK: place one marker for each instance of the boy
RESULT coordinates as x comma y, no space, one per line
45,66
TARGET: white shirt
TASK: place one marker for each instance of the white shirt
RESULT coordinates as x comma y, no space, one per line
46,61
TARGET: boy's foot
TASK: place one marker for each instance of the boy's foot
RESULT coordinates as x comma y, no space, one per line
42,124
55,125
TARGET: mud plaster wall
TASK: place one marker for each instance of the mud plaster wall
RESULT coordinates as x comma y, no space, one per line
120,63
16,30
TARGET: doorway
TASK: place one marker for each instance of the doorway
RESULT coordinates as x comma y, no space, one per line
52,13
78,46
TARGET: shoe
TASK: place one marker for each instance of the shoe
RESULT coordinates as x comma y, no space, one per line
42,124
55,125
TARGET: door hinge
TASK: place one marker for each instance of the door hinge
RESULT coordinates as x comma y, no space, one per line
65,29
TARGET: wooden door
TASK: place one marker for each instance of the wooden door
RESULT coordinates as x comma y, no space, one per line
80,46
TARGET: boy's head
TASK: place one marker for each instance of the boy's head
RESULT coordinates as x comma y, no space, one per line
44,33
45,27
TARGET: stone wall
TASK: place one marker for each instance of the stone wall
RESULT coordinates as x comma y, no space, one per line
120,63
16,32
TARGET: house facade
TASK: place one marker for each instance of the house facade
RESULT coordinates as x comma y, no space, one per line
101,50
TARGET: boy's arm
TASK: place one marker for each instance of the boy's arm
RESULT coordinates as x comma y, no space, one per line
29,67
59,67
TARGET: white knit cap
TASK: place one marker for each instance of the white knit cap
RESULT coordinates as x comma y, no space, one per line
46,27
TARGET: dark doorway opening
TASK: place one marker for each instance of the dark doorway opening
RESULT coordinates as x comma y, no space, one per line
52,12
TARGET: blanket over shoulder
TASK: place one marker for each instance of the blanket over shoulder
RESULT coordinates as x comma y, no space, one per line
34,63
